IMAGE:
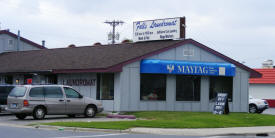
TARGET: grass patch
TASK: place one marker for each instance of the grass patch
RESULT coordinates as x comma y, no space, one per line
101,114
179,120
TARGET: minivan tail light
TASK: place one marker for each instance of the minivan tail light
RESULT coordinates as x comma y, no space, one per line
25,103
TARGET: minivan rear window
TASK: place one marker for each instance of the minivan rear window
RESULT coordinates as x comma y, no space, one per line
18,91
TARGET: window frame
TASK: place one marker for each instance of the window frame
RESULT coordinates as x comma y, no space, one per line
142,98
230,97
99,86
10,46
196,87
10,42
188,52
8,79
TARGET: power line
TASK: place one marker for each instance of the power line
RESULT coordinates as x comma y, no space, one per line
112,35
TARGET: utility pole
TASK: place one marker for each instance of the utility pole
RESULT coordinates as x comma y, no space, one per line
112,35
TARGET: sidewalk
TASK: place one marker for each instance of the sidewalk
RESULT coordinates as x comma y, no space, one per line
208,131
264,130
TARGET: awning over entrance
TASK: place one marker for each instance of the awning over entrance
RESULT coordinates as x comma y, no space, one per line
186,67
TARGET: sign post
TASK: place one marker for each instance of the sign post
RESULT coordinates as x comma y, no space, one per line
221,104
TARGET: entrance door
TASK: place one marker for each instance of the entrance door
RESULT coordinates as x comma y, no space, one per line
74,101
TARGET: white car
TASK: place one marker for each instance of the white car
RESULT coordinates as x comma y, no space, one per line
257,105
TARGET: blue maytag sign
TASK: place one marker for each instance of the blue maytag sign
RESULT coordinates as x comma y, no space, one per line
186,67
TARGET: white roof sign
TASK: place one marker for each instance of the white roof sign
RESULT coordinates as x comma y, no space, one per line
160,29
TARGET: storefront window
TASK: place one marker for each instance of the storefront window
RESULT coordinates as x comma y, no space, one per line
187,88
26,77
8,79
105,87
152,87
220,85
51,79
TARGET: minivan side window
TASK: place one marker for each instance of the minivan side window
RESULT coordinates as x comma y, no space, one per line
37,92
71,93
53,92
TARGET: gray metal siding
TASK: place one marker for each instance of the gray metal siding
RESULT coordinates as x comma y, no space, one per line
170,92
89,91
117,90
236,91
130,86
125,90
244,92
204,93
4,47
134,87
2,43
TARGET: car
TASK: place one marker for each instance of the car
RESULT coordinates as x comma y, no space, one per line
4,92
257,105
41,100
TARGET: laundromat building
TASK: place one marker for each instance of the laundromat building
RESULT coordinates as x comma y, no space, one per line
167,75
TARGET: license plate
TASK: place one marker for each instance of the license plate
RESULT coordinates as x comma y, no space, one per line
14,105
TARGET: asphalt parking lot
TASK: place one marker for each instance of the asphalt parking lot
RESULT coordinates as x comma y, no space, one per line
270,111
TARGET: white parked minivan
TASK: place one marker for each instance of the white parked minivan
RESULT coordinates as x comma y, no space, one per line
41,100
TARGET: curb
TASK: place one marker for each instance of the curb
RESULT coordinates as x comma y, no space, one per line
14,125
5,114
262,131
80,129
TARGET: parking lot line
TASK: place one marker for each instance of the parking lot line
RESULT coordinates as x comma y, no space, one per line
91,136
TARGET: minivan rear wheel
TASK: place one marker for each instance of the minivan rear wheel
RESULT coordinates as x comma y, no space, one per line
21,116
90,111
39,113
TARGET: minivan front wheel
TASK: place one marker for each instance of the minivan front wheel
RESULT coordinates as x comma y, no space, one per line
90,111
252,108
39,113
21,116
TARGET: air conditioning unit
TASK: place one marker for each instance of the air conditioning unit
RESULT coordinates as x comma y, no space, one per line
268,64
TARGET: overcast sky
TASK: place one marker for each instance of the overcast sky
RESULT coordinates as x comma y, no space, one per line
241,29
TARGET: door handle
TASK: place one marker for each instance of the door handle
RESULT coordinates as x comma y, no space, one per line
68,100
61,100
